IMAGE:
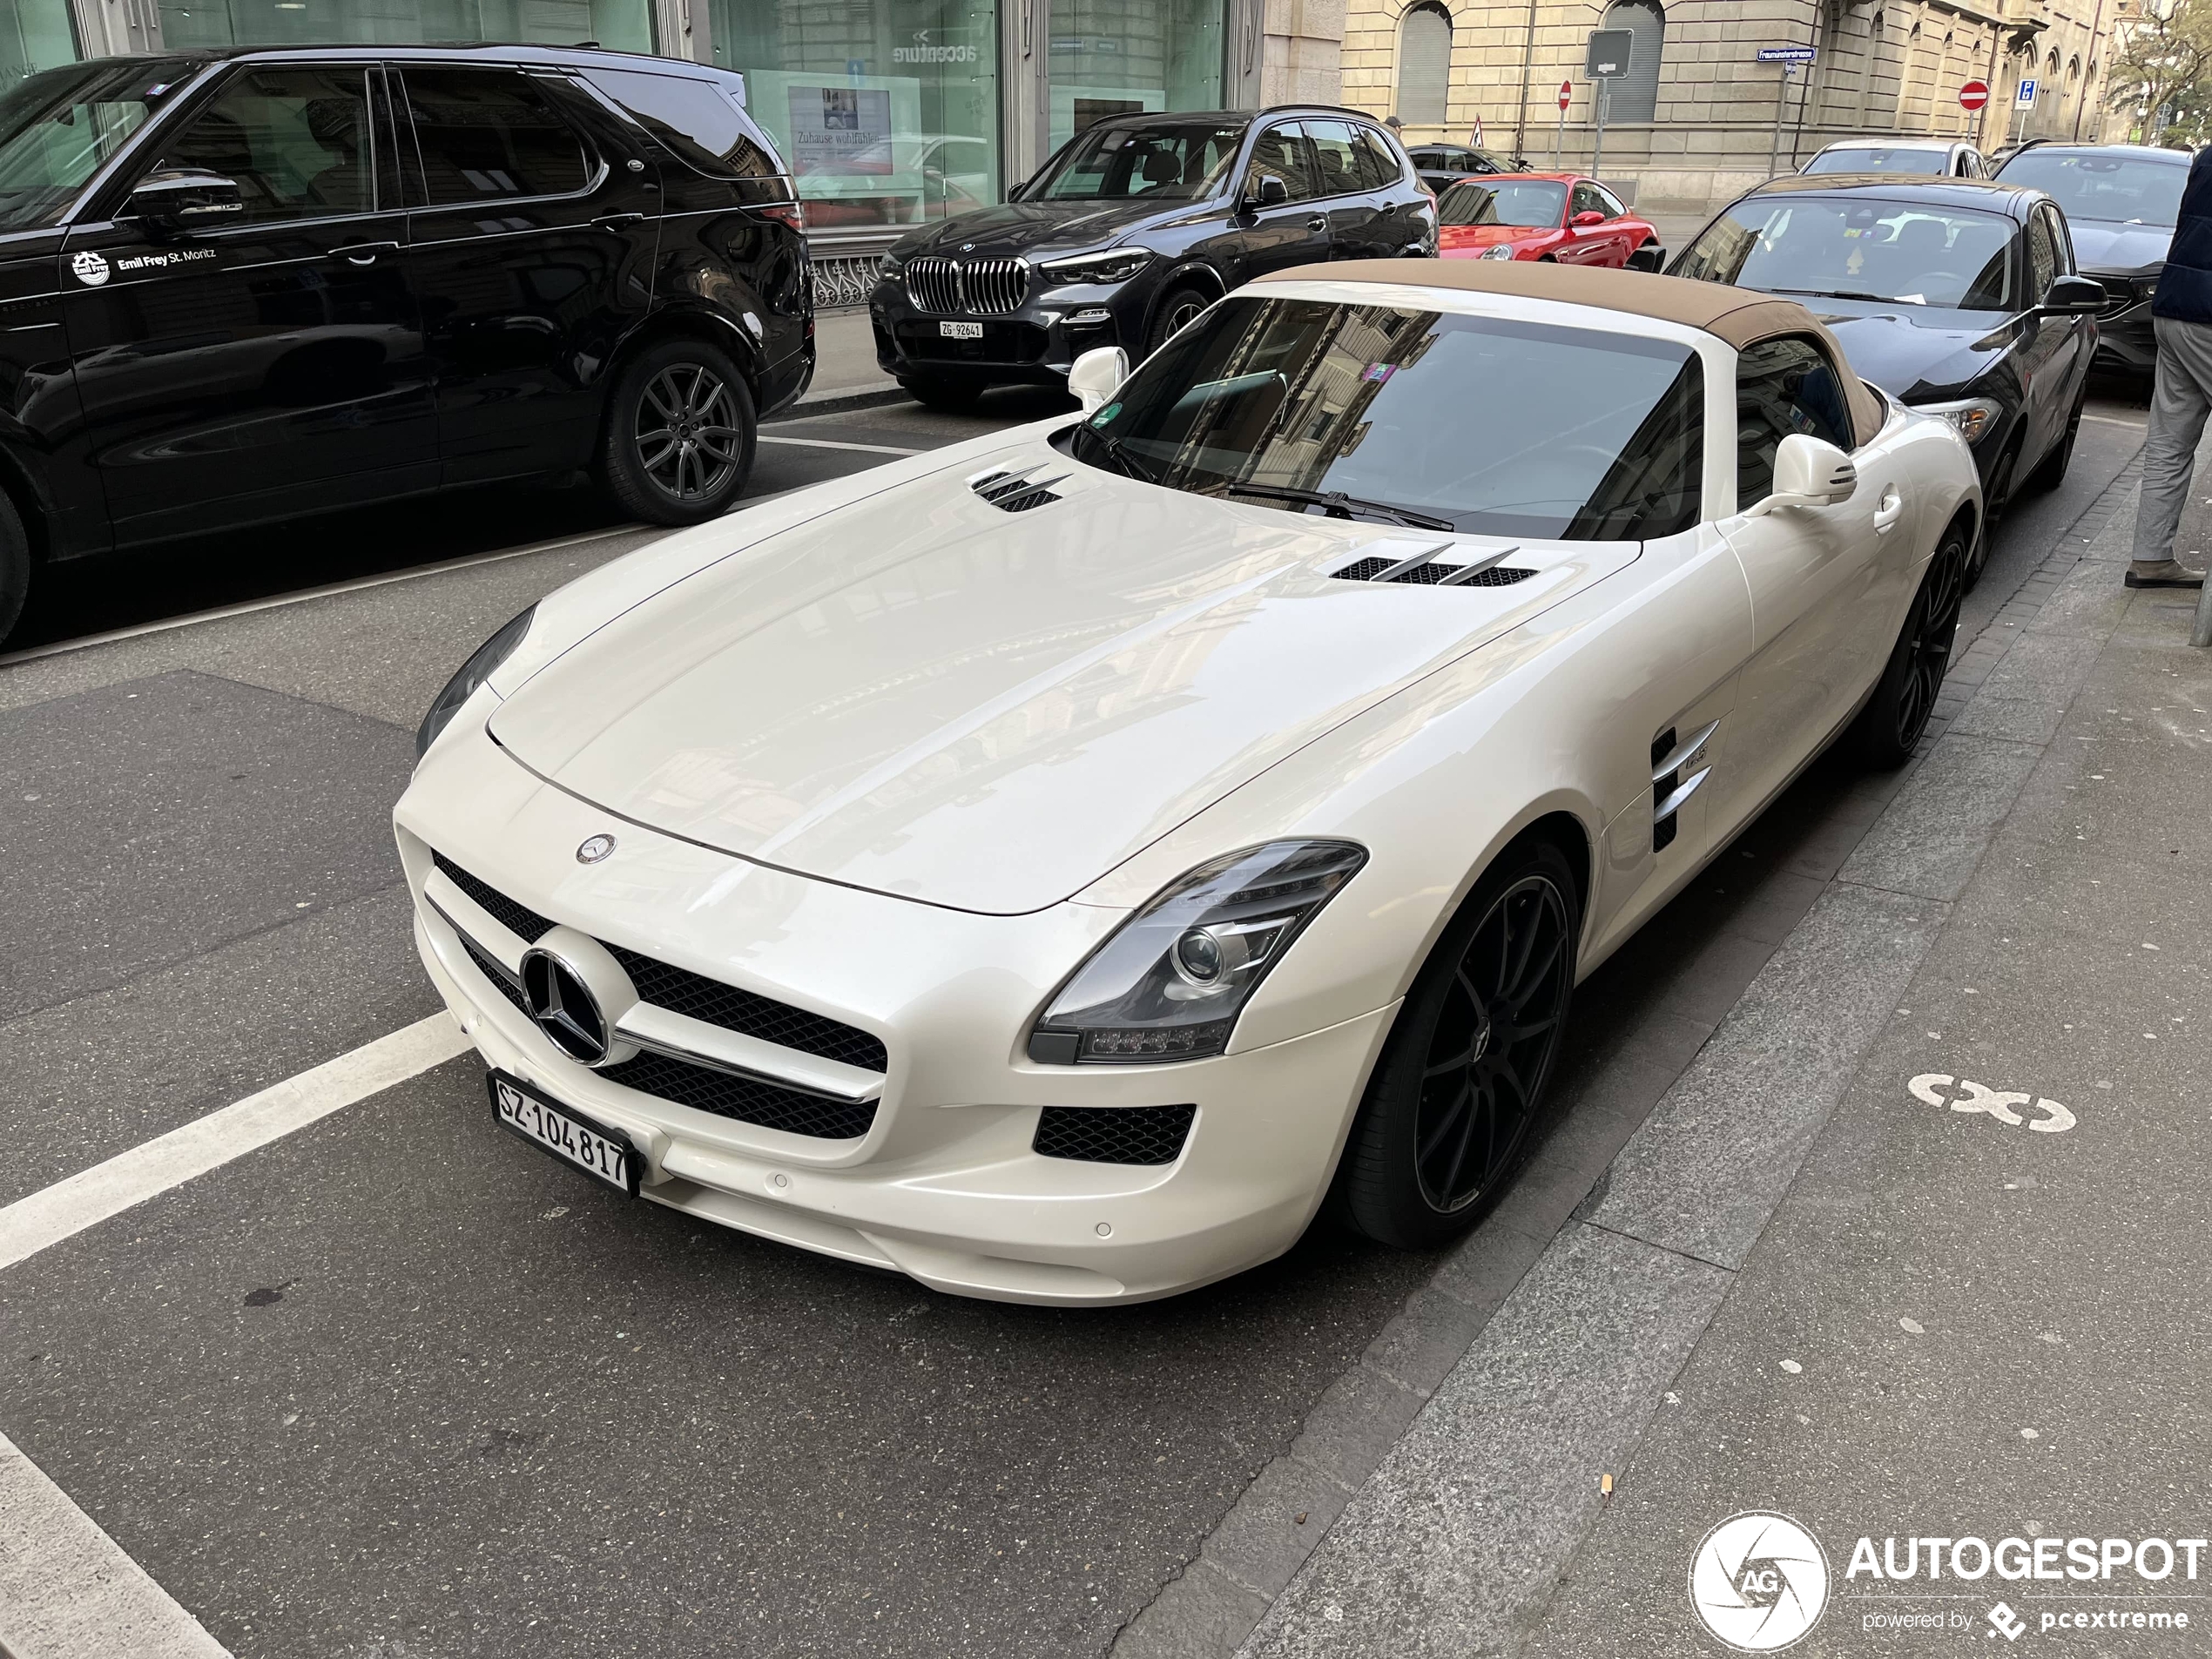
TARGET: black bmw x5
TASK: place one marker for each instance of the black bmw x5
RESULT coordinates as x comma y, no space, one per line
240,287
1132,228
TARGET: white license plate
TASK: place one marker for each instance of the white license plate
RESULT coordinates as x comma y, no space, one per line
960,330
600,1153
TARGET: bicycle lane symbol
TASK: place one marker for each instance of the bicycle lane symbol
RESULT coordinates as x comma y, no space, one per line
1928,1087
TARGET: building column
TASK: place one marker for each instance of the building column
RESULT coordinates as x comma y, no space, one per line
681,29
107,28
1302,54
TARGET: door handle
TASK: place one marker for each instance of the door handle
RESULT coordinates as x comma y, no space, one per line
616,222
365,252
1318,222
1890,510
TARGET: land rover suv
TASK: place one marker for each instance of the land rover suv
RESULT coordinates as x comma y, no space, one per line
1132,228
240,287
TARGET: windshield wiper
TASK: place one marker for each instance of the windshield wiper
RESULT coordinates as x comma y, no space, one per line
1338,504
1851,293
1118,453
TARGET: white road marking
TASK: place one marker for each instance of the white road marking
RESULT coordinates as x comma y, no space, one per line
92,1196
303,595
1929,1085
66,1590
2114,419
825,443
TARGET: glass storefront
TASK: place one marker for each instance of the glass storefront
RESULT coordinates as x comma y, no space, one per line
1119,56
888,112
619,25
34,34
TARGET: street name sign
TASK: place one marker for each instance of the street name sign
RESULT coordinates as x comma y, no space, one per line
1788,54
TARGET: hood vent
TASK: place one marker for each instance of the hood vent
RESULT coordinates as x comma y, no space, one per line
1424,570
1013,492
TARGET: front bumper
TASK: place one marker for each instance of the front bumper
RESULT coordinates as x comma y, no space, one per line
2126,340
945,1183
1034,344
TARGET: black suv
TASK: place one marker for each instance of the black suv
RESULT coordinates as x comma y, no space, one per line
1135,225
239,287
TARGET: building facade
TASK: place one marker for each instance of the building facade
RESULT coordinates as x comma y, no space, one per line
1697,118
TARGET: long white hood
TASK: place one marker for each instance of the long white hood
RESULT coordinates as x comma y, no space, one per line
925,695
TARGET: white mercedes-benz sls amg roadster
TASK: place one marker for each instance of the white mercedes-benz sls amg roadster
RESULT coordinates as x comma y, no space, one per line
1057,865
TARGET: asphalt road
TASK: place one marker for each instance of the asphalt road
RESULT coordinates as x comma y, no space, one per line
398,1386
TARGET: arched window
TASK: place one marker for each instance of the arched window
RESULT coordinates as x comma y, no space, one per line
1425,65
1635,95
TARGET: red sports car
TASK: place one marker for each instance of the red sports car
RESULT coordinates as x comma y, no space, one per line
1561,217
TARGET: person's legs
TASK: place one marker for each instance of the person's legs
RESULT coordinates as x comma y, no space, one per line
2178,408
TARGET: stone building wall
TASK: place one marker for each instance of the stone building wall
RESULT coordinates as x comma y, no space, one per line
1885,66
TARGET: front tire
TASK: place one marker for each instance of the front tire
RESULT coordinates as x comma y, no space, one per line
680,435
1995,500
1448,1111
1178,306
15,565
2051,473
1889,728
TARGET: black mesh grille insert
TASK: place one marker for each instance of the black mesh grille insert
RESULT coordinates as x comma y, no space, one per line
742,1098
681,991
1498,576
519,919
1012,493
1114,1134
492,971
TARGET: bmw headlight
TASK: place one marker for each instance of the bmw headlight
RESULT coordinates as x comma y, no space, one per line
1496,251
889,268
1116,264
482,663
1169,982
1975,417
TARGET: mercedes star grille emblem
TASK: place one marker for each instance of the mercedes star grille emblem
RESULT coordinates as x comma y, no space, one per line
564,1008
595,848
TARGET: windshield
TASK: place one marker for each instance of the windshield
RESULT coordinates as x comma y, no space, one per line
1860,250
1474,423
2104,186
1532,202
1172,161
1901,158
59,127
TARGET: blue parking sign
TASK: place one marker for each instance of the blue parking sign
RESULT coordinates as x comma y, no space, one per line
2026,96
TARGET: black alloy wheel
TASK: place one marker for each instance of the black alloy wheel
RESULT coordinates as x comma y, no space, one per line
1449,1109
1178,306
680,435
1889,729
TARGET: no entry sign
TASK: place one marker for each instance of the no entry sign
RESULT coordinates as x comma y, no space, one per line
1566,93
1973,95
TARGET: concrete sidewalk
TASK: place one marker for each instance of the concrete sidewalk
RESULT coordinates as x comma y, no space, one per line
1827,1276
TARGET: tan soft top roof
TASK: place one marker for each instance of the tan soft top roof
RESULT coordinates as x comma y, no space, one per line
1740,316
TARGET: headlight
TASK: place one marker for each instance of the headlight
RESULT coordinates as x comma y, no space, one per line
480,667
1496,251
1169,982
1975,417
1116,264
887,268
2146,288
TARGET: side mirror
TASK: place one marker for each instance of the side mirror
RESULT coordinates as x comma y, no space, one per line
1097,375
1587,217
1271,192
2074,296
183,199
1807,473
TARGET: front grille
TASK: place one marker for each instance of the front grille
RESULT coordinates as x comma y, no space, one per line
1113,1134
2119,294
1498,576
681,991
744,1099
985,287
492,971
519,919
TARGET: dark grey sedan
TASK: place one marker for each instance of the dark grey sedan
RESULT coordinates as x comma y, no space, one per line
2120,200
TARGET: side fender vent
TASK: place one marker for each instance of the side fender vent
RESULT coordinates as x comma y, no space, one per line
1015,492
1669,788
